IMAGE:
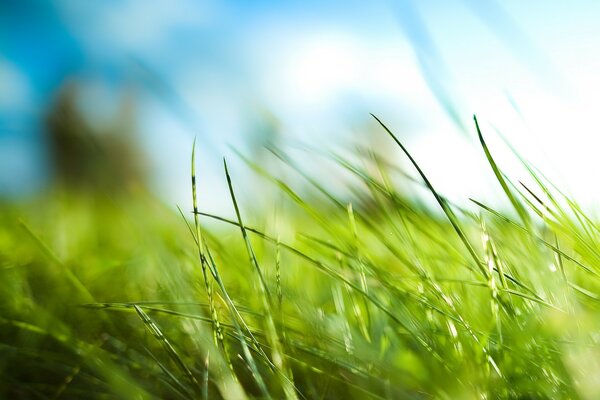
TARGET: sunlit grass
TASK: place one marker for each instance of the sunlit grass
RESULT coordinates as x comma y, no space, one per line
371,296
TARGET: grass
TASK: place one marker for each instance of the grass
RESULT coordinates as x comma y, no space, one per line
367,296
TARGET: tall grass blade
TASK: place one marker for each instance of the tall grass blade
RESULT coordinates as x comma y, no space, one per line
440,200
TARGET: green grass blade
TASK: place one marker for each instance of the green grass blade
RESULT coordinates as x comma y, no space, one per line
441,201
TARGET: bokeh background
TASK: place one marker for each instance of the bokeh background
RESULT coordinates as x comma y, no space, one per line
144,78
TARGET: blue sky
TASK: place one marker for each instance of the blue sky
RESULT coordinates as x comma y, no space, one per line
211,69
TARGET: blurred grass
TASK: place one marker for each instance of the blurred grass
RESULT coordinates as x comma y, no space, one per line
374,297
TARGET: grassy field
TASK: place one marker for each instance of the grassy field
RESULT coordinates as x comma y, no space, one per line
375,296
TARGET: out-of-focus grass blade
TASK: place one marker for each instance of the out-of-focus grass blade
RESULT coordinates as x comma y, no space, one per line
430,61
71,277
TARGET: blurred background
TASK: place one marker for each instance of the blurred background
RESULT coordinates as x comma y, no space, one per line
112,93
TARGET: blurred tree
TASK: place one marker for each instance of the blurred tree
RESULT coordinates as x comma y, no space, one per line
90,157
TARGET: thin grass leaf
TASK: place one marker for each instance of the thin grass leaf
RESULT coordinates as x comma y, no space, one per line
498,174
159,336
545,243
266,296
441,201
71,277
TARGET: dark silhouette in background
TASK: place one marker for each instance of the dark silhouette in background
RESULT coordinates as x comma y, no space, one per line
94,157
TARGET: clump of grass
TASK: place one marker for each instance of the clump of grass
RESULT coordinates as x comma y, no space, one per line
362,296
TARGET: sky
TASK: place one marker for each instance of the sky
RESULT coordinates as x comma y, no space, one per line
216,70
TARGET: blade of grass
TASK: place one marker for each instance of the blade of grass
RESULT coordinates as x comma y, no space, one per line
158,334
337,275
198,239
71,277
513,200
265,295
441,201
545,243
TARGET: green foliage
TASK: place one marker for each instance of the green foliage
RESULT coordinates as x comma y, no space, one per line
372,296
